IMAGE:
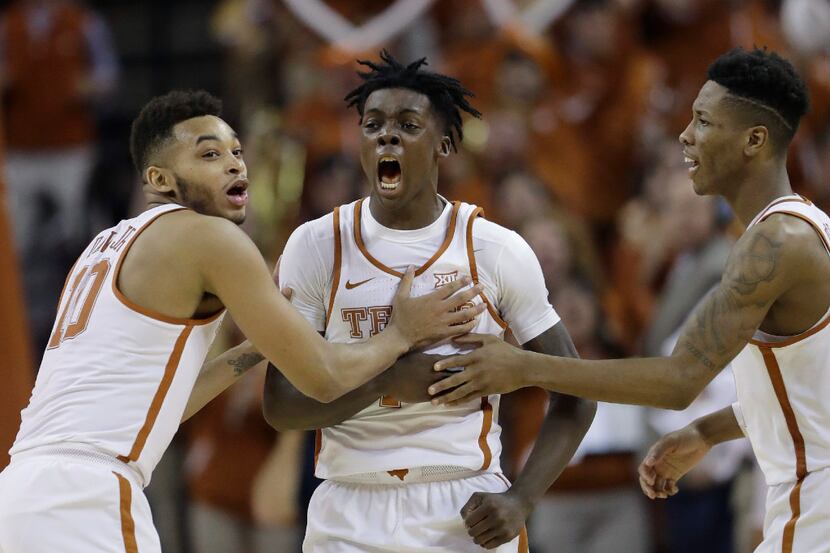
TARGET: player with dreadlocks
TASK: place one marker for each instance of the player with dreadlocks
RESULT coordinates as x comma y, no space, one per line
401,474
769,317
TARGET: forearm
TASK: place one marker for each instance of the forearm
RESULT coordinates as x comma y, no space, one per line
565,425
718,427
219,373
664,382
353,365
286,408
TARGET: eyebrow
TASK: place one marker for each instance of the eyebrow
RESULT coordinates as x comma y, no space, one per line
402,112
212,137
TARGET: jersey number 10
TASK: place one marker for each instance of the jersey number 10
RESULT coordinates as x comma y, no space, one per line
83,292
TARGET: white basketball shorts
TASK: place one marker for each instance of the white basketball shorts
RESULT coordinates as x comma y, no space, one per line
797,516
71,504
423,517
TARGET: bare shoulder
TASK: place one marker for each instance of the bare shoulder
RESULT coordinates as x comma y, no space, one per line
798,242
773,254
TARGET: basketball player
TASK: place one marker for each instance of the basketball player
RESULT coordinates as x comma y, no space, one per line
401,474
139,310
768,316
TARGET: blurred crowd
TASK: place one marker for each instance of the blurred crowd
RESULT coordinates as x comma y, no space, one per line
577,151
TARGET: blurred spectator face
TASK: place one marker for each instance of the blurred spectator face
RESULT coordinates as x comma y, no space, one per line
401,141
579,310
507,139
521,198
713,142
689,220
520,79
203,168
551,247
592,30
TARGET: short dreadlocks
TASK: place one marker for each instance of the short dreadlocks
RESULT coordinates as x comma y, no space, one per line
446,94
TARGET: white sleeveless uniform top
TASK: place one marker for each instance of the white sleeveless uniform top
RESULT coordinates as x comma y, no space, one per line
115,377
388,435
783,383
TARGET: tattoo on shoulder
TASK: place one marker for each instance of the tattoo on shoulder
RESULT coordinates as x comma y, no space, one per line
755,263
245,362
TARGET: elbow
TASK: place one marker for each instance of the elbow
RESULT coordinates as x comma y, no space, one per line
326,393
274,416
588,410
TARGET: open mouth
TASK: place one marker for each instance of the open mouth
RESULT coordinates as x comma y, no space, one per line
389,173
691,164
238,193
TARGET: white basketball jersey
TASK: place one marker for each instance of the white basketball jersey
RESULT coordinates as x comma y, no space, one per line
783,383
388,435
115,377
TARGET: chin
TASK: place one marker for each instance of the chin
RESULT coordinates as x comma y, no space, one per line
237,217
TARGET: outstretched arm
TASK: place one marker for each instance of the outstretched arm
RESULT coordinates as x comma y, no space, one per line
232,269
495,519
677,453
765,263
286,408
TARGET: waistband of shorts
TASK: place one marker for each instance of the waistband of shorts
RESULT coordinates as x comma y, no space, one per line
82,454
416,475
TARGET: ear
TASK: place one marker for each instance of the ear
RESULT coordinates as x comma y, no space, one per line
756,139
160,180
445,147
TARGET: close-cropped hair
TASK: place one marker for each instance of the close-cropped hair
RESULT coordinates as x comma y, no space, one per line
154,124
446,94
766,87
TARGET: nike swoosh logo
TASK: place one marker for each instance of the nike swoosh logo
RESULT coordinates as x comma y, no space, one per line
350,285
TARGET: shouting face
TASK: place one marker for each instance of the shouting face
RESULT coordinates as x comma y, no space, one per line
402,140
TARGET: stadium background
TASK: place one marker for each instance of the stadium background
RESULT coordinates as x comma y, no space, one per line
577,150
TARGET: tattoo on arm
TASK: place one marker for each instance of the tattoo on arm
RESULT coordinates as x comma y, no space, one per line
244,362
721,316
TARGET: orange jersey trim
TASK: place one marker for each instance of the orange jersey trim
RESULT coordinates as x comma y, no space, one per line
798,337
523,547
774,371
358,238
125,494
338,262
486,424
479,212
143,310
158,398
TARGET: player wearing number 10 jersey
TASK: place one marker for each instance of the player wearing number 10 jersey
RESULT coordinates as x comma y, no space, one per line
141,306
402,474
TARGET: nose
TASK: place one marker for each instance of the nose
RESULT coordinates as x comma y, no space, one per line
686,137
236,166
386,136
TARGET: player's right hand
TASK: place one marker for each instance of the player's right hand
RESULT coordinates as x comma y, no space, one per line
669,459
435,316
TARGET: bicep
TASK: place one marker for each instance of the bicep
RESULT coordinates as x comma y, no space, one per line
757,273
554,341
233,269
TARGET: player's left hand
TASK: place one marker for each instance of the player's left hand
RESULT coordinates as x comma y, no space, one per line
493,519
493,368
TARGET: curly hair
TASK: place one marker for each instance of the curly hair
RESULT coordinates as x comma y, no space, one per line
446,94
154,124
768,87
